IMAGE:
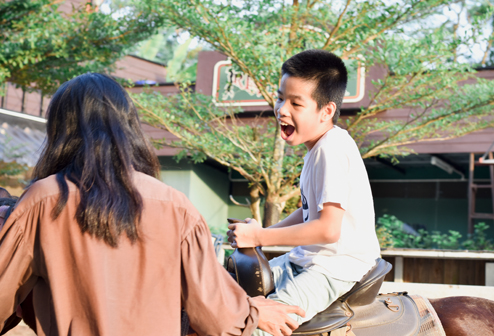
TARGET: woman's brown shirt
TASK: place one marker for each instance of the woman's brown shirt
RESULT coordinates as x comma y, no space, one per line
82,286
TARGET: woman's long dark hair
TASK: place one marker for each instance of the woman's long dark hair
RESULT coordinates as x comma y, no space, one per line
94,139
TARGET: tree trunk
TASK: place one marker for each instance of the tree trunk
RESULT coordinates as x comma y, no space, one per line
273,206
272,211
255,203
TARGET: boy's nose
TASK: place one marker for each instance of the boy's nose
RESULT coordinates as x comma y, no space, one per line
281,111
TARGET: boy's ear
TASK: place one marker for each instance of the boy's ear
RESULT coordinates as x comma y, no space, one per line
328,111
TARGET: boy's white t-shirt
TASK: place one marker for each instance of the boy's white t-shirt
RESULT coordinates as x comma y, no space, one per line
334,172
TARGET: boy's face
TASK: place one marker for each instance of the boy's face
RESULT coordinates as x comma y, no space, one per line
297,113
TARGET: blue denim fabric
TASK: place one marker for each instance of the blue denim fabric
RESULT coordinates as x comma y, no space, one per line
310,290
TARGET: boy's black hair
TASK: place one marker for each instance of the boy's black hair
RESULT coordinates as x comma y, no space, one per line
326,70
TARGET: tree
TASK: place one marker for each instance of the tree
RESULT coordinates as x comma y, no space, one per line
11,170
40,47
166,47
419,61
482,11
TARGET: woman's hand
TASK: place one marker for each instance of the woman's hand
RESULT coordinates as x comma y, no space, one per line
273,316
245,235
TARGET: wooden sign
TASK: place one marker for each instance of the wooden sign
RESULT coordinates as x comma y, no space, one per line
233,88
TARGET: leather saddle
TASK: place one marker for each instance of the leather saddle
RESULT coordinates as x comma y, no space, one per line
361,311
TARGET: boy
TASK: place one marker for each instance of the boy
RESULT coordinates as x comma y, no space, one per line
334,230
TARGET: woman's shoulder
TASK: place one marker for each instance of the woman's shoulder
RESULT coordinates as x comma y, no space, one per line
151,187
44,188
153,190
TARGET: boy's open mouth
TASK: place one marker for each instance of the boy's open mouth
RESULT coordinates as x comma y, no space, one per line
286,130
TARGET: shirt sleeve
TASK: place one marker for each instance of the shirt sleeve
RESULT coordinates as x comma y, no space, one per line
16,260
330,180
214,302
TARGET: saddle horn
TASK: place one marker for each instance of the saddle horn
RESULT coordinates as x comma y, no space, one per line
255,275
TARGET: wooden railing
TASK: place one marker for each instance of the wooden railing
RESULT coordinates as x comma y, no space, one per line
428,266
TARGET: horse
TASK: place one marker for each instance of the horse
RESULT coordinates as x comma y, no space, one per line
465,315
459,316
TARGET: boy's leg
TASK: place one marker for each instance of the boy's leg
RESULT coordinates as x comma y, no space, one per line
308,289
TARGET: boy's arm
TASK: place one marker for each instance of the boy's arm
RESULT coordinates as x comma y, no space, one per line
325,230
295,217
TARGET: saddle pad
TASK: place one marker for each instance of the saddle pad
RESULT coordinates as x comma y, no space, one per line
336,316
430,324
389,314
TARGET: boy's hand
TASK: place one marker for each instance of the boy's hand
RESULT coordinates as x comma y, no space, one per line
273,316
244,235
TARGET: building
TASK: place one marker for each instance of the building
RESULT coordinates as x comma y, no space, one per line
428,190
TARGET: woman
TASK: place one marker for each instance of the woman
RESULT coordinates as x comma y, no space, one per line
105,247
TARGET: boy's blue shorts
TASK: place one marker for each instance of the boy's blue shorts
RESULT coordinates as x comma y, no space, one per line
309,289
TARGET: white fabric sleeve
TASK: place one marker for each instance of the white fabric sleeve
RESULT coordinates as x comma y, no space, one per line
330,180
